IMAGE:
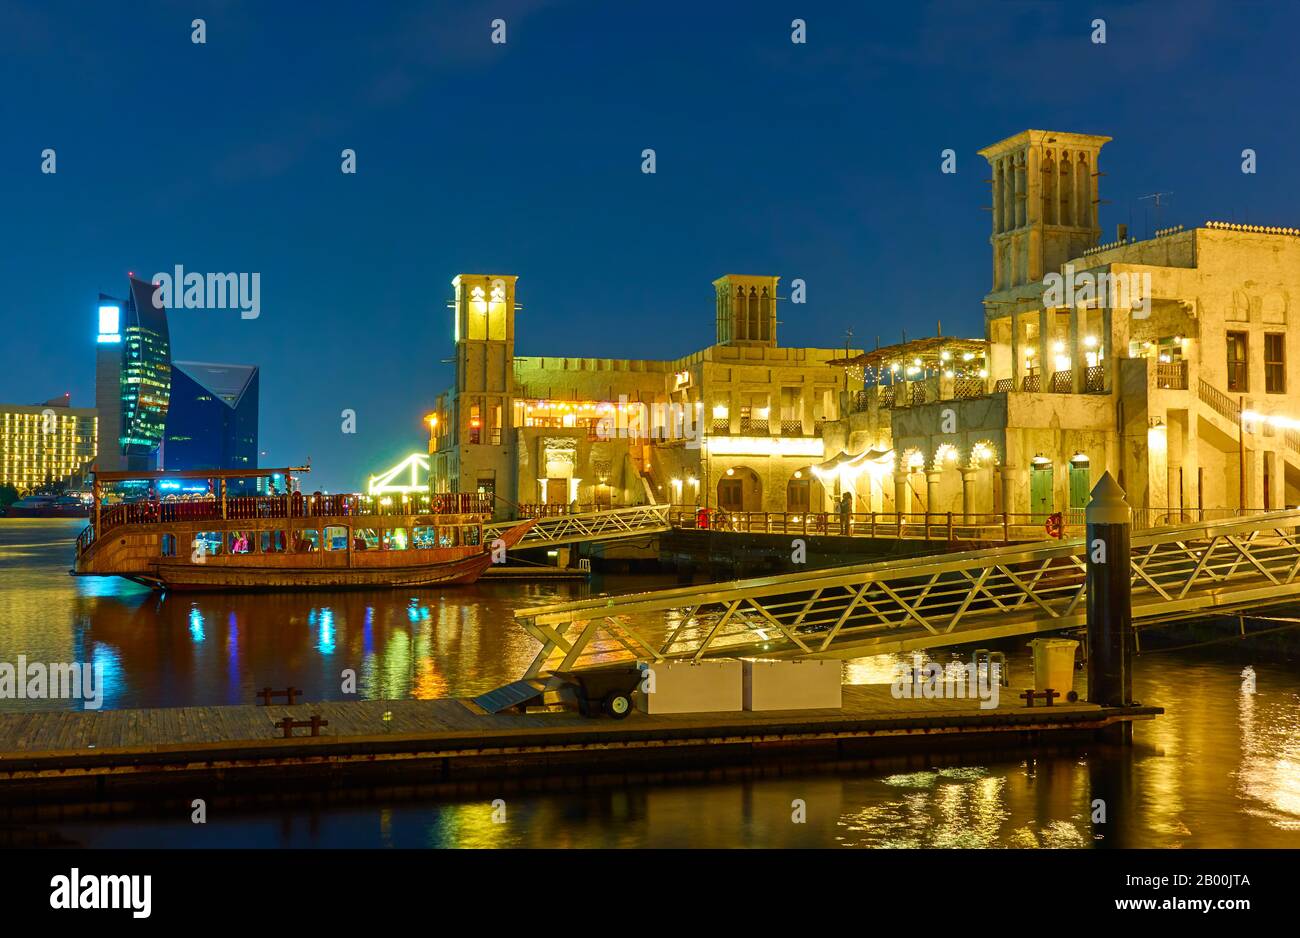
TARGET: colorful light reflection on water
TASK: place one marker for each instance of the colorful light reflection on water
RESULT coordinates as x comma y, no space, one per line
1221,769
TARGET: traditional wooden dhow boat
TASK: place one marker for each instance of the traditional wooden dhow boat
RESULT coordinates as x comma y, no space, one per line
223,539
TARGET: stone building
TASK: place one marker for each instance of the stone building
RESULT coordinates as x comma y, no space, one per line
1165,361
736,425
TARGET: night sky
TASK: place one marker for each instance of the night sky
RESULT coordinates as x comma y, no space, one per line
819,161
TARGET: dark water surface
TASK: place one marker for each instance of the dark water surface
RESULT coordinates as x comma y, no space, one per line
1220,769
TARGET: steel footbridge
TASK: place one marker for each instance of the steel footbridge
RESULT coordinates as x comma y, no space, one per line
606,525
925,602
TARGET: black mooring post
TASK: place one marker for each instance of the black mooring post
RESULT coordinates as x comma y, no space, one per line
1110,609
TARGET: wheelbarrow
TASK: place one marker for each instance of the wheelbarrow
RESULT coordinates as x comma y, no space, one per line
603,690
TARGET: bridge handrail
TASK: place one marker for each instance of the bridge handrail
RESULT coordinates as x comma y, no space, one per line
657,600
588,521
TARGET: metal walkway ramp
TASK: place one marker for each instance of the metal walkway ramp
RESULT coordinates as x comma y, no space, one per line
606,525
925,602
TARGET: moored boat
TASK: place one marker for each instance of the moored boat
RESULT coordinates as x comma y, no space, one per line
286,541
48,506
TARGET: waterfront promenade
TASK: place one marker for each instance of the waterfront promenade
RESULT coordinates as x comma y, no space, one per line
98,754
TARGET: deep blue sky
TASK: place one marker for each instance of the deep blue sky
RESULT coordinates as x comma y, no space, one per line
818,161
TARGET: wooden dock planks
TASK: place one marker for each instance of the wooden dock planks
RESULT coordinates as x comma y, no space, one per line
450,721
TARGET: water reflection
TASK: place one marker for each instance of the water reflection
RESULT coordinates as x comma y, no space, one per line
1220,769
199,649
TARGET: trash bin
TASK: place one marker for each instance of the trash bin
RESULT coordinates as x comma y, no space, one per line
1054,664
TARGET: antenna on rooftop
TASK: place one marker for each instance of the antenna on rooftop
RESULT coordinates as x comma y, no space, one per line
1155,198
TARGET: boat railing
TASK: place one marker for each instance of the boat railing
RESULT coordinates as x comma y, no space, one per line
293,505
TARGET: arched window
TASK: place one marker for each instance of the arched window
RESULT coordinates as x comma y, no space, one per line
765,314
753,314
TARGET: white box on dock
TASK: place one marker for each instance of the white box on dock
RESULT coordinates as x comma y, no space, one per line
711,686
793,685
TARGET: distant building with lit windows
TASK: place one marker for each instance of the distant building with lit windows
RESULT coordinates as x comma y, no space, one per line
46,445
132,378
736,425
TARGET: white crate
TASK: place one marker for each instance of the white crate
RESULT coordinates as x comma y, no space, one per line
792,685
712,686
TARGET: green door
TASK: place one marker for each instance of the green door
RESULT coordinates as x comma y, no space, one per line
1040,492
1079,490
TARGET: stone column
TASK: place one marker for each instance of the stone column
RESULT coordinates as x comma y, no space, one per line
968,476
1081,207
1008,194
1106,349
1157,494
933,478
1018,205
1045,364
1276,481
1049,190
1017,357
900,490
997,197
1078,363
1034,214
1015,490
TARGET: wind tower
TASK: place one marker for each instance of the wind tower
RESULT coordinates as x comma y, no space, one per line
1045,198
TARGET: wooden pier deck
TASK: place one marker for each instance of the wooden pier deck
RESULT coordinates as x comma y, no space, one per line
118,752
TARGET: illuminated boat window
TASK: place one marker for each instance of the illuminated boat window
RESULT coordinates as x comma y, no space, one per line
207,544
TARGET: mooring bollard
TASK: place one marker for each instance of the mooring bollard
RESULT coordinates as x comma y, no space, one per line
289,724
1110,609
267,693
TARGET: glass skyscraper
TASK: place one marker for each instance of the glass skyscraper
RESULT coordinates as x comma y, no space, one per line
133,378
212,420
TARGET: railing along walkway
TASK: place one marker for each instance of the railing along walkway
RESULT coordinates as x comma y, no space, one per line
925,602
588,526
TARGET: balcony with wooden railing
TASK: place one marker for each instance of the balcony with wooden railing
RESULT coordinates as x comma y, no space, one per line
1171,375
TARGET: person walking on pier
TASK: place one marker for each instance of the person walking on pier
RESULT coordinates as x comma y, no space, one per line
846,513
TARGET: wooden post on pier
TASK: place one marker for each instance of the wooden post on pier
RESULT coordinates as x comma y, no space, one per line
1110,610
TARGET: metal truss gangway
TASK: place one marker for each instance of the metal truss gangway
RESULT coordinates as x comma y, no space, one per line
609,524
924,602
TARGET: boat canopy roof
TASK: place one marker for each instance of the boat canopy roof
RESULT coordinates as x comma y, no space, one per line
158,474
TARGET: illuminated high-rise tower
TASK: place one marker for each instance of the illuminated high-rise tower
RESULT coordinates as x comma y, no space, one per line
133,378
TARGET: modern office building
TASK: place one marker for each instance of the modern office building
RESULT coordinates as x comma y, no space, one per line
42,445
132,379
212,417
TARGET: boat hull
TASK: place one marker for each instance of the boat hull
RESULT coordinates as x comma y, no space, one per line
197,577
132,552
